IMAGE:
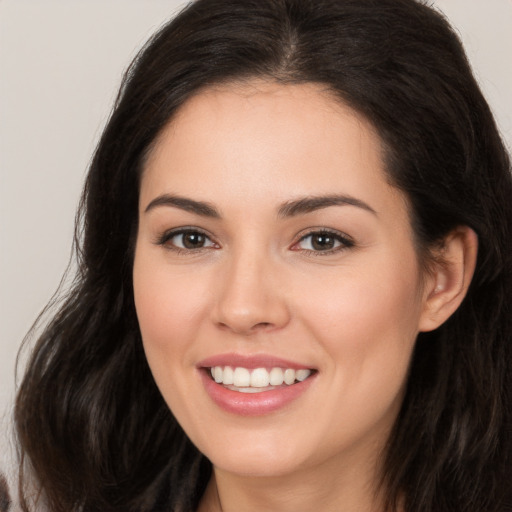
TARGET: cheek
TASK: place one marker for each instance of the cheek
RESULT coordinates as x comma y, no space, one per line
169,305
368,307
368,328
367,318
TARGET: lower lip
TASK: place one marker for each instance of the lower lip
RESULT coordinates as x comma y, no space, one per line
254,404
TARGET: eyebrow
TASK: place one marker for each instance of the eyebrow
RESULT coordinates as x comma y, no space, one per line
183,203
311,204
289,209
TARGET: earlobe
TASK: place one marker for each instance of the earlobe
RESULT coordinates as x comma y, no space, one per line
450,277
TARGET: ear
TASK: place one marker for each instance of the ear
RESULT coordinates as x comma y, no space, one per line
449,277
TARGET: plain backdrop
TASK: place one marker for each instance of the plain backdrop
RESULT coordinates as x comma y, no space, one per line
60,66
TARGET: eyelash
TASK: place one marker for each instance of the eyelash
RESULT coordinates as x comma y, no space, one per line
343,242
167,236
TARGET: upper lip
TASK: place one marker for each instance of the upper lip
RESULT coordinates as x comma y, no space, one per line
251,361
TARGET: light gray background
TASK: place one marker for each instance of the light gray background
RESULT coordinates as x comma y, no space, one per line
60,65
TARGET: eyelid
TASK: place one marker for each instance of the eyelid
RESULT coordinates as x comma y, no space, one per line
345,241
164,238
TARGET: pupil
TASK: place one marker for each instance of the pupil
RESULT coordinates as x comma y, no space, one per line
193,240
323,242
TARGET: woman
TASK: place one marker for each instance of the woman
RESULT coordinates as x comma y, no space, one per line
295,276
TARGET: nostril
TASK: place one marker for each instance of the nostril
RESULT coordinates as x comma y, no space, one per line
262,325
246,329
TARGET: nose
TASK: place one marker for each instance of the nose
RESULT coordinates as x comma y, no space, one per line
251,297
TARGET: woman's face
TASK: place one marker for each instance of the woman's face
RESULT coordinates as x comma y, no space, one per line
271,247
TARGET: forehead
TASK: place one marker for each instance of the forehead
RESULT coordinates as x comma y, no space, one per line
263,141
256,146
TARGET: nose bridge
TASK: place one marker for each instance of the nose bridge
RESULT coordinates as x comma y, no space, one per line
250,298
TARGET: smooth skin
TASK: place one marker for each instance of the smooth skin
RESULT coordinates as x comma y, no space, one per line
336,287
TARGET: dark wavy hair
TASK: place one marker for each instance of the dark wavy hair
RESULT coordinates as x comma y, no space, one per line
94,431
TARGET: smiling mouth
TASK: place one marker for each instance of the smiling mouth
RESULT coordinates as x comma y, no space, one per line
257,380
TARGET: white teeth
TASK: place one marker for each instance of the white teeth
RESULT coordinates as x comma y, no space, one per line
241,378
218,374
276,377
260,378
247,390
228,375
252,381
289,376
301,375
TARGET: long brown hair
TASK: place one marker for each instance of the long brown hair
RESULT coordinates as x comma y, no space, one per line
5,499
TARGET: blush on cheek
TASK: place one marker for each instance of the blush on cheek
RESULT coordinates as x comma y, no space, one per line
168,308
360,313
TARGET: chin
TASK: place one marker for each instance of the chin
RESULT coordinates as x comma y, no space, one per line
257,457
256,466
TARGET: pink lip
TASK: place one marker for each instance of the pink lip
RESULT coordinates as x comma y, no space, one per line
252,404
250,362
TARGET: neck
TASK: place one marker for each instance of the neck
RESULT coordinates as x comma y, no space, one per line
334,487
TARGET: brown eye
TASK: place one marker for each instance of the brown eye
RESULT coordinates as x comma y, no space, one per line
193,240
189,240
323,241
